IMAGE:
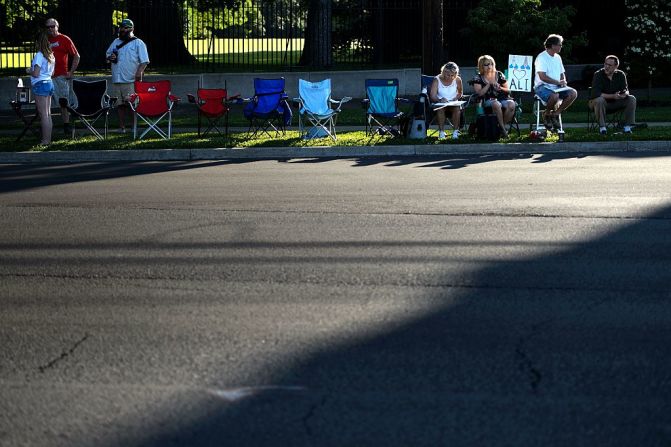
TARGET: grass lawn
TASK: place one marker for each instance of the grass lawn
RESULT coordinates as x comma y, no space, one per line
185,121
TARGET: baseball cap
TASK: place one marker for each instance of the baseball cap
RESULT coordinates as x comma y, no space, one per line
127,23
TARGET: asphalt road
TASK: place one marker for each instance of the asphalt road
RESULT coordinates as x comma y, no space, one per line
478,301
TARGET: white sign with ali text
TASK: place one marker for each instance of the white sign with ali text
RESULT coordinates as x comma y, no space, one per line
519,72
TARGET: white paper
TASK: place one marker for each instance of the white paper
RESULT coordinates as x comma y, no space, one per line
440,105
560,89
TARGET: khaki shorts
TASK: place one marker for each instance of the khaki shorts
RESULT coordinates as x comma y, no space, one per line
122,91
63,89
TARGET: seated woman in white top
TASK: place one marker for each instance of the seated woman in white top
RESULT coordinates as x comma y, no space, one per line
446,87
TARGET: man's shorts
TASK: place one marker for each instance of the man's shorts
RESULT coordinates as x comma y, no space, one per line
42,88
63,89
122,91
544,93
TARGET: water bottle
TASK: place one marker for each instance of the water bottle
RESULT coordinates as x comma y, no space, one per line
21,92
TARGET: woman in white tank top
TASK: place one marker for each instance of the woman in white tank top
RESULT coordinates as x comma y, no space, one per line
446,87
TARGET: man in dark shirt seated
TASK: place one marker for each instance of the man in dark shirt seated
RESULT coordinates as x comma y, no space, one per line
610,92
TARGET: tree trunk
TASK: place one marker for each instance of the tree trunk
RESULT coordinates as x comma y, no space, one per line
91,39
160,24
432,32
317,51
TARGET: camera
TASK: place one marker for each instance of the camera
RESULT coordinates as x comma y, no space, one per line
114,57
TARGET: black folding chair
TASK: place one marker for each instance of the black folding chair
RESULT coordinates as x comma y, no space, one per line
92,104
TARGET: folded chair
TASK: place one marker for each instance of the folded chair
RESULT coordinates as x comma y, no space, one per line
92,103
213,104
316,117
383,116
268,109
151,102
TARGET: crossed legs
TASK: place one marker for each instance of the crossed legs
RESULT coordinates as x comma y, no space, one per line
567,97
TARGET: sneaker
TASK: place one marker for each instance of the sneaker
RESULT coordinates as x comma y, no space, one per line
455,135
441,135
627,129
603,131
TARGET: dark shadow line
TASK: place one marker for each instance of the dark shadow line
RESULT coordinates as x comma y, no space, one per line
22,177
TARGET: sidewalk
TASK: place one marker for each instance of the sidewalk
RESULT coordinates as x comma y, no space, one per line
281,153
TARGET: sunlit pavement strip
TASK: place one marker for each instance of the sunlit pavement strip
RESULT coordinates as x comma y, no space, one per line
334,151
235,394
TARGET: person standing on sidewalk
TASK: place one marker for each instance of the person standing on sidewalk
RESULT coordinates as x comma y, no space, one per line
40,70
610,92
128,56
67,60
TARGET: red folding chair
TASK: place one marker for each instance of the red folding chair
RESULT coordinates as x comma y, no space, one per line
212,103
152,101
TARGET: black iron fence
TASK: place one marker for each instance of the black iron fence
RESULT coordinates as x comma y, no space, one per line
222,35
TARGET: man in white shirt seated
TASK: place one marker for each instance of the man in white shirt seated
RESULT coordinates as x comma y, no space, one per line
550,82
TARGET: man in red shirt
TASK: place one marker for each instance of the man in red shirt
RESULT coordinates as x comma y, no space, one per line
63,49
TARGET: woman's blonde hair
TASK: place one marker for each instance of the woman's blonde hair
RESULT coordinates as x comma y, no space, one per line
481,63
450,66
42,44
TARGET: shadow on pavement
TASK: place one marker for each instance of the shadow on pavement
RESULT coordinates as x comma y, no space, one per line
27,176
571,347
17,177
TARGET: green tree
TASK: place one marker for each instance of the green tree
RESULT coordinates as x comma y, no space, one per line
649,49
503,27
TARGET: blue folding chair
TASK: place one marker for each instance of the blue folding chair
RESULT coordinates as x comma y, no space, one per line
383,116
268,109
316,117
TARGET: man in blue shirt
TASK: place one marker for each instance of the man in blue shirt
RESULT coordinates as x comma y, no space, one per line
129,58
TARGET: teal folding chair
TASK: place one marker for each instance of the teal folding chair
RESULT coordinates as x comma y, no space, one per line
383,115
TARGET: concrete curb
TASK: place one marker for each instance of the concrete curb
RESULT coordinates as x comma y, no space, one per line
260,153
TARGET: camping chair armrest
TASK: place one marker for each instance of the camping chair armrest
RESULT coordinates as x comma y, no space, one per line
191,98
235,99
174,98
365,102
110,101
340,102
405,100
297,102
132,97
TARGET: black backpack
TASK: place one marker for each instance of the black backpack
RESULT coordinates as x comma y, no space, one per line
488,127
